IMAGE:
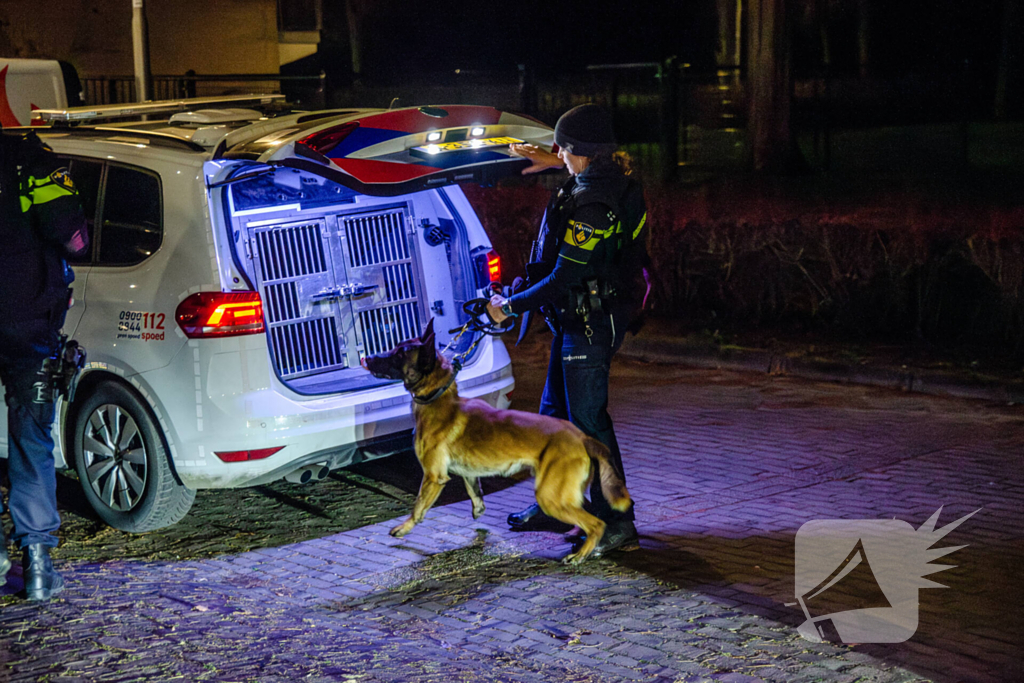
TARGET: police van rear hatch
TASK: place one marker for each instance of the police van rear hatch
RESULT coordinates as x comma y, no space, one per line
394,152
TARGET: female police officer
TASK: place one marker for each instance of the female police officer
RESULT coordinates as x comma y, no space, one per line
575,283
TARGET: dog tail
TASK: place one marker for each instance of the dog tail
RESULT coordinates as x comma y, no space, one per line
612,484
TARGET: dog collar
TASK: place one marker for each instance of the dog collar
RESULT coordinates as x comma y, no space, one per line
436,393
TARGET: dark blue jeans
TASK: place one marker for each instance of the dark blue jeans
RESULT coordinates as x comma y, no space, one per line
577,390
30,411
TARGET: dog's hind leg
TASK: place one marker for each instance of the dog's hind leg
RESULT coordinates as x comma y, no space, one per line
476,494
591,526
559,487
430,489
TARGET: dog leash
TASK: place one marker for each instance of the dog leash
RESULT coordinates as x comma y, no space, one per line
474,308
456,362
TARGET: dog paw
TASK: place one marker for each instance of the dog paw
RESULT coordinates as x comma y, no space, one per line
401,530
573,558
478,512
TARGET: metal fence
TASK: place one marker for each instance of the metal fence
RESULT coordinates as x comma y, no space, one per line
304,90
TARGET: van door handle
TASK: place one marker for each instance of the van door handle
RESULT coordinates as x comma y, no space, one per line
345,291
326,295
356,289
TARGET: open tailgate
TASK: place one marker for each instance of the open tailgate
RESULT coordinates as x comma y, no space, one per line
387,153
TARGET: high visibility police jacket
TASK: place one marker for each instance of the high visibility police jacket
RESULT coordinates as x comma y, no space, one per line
41,223
580,237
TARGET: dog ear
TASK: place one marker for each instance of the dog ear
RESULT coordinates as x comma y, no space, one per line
426,359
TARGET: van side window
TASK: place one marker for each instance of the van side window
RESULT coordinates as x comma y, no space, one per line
132,217
86,176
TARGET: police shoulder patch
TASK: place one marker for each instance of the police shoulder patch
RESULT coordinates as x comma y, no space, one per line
581,232
62,178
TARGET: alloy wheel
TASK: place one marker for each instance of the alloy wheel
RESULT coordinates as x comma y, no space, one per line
115,457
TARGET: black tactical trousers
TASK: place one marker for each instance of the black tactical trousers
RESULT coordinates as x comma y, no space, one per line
577,390
30,411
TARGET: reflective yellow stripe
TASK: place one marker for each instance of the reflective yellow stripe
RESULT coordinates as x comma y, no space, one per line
46,190
589,244
26,204
571,259
641,226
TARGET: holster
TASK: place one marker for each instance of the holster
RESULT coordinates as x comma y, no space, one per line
590,297
64,367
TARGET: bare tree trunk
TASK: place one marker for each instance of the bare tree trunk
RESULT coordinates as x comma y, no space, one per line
864,37
354,15
772,144
728,51
1011,19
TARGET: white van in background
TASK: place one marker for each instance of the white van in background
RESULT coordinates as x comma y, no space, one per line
30,84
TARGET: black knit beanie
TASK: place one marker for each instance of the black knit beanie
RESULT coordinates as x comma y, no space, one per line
585,131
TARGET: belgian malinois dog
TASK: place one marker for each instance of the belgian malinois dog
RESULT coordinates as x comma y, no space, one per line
471,439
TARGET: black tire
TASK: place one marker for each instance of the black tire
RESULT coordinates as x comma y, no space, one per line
122,463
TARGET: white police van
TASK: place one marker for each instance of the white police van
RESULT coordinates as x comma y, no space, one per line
242,264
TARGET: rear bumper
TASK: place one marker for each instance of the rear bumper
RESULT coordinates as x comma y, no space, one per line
228,411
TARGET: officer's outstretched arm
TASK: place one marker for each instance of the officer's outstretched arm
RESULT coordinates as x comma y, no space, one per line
540,160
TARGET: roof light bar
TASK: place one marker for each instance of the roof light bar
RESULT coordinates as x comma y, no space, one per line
136,109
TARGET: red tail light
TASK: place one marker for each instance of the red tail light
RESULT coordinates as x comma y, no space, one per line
487,265
242,456
494,266
220,314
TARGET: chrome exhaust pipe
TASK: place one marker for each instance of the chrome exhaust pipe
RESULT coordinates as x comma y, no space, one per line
308,473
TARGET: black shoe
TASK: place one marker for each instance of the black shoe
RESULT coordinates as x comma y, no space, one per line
534,519
621,536
523,517
41,580
5,559
576,536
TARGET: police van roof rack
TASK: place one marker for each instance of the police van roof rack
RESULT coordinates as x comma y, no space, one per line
133,110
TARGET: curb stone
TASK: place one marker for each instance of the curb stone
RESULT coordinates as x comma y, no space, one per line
664,349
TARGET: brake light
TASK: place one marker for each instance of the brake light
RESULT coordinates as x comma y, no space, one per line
220,314
325,140
494,266
487,264
242,456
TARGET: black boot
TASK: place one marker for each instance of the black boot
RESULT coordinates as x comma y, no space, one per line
5,560
534,519
617,536
41,579
576,536
524,517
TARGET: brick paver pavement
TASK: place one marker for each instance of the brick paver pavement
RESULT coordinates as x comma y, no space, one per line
724,468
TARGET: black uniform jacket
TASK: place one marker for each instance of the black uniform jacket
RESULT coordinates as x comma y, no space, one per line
41,222
582,224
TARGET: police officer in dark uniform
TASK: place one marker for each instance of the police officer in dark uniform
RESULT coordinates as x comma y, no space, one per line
41,222
575,281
